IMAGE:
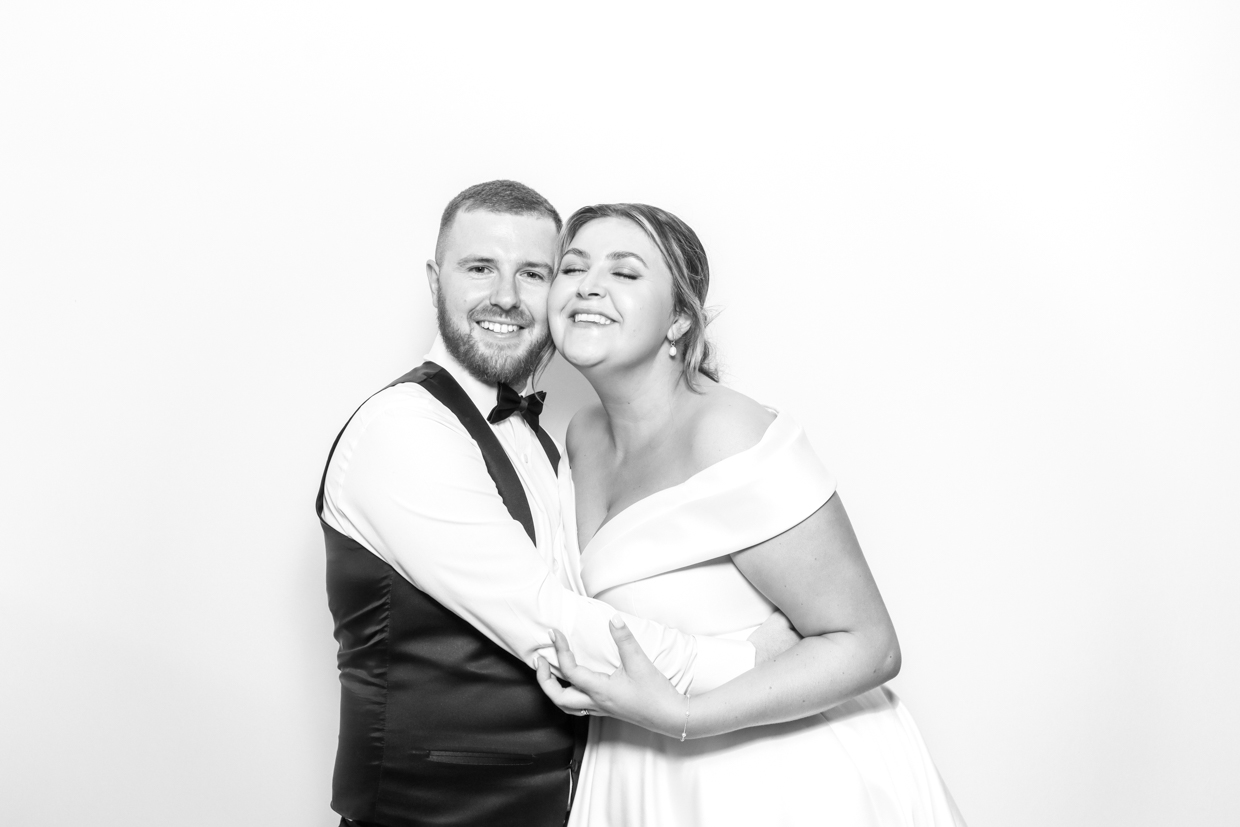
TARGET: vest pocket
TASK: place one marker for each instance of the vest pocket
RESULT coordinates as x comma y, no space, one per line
485,759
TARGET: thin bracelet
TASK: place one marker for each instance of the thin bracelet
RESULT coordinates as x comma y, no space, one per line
684,732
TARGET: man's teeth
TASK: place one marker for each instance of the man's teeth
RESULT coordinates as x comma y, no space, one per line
499,327
592,318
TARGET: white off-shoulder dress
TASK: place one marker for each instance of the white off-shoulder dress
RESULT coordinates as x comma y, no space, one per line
666,557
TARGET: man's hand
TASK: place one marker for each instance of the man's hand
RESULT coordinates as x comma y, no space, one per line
774,637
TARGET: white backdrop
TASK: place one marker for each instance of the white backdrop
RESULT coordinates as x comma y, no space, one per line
988,256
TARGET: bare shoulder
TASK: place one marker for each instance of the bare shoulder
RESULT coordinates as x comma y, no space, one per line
584,430
725,423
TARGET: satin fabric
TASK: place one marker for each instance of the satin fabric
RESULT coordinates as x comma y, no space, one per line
439,725
861,764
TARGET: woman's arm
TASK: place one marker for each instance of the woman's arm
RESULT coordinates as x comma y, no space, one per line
816,574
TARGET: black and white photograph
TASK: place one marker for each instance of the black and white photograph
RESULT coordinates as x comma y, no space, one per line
628,415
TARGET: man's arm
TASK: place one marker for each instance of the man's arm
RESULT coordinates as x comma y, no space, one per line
409,484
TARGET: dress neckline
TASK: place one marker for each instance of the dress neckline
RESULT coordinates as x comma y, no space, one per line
694,477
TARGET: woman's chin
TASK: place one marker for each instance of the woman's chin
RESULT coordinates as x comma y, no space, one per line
582,359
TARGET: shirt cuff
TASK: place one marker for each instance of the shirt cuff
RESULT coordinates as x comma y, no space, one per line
718,661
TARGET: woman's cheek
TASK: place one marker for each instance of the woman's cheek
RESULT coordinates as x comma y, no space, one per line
556,323
555,319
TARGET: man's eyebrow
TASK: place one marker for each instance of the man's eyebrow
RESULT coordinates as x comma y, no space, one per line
475,260
619,254
534,265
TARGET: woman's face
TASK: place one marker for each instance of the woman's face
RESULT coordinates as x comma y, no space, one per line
611,302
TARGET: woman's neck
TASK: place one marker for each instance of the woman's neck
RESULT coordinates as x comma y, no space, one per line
640,404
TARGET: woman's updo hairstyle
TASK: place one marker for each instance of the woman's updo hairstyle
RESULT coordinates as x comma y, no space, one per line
685,257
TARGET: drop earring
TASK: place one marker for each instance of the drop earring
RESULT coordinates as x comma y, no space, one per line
671,351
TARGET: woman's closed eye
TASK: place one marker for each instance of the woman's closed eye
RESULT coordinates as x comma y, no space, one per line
625,274
571,269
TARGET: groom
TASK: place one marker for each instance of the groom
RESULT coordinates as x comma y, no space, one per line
447,560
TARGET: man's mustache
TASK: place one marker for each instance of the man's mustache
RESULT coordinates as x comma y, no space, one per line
517,315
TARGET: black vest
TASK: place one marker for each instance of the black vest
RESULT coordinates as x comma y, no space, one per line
438,724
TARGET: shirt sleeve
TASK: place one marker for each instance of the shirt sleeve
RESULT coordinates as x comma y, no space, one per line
409,483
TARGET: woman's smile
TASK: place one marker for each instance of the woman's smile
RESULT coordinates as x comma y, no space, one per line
590,318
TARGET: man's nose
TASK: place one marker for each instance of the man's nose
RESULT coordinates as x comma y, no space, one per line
591,285
504,291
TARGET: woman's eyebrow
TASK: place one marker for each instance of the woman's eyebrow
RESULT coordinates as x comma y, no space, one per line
619,254
574,251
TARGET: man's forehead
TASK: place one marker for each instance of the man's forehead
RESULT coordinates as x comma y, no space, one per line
515,227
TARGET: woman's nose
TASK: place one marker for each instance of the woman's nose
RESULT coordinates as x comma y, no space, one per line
591,285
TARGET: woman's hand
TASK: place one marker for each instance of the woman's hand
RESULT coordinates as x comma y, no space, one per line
636,692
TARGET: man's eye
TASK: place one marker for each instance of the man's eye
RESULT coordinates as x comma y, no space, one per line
477,268
535,274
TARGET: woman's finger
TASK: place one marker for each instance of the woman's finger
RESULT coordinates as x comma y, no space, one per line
568,663
568,698
573,700
633,658
584,678
546,681
593,684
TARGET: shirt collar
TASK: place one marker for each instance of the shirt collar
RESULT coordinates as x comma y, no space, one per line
482,394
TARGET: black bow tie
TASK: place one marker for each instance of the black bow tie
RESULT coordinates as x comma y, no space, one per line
509,402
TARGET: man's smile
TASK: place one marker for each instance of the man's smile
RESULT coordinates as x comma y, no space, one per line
498,327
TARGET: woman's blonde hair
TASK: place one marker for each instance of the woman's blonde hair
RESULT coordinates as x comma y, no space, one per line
686,259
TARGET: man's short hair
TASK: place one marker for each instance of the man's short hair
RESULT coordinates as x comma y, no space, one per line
504,197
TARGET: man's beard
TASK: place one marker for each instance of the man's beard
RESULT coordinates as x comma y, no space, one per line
493,368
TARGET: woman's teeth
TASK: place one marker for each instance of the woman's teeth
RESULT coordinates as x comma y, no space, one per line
498,327
591,318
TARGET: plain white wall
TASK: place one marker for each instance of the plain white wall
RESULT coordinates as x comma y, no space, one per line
987,255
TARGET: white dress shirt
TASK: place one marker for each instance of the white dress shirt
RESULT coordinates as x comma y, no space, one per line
408,483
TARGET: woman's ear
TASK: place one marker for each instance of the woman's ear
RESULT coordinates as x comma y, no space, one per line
680,326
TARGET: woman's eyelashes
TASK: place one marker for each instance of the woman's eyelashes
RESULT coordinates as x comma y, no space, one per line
577,270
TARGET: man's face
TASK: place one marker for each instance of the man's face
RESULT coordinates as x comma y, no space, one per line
490,292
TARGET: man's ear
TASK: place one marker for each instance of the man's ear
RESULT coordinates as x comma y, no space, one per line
432,279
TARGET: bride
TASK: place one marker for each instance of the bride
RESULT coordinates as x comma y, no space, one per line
700,508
